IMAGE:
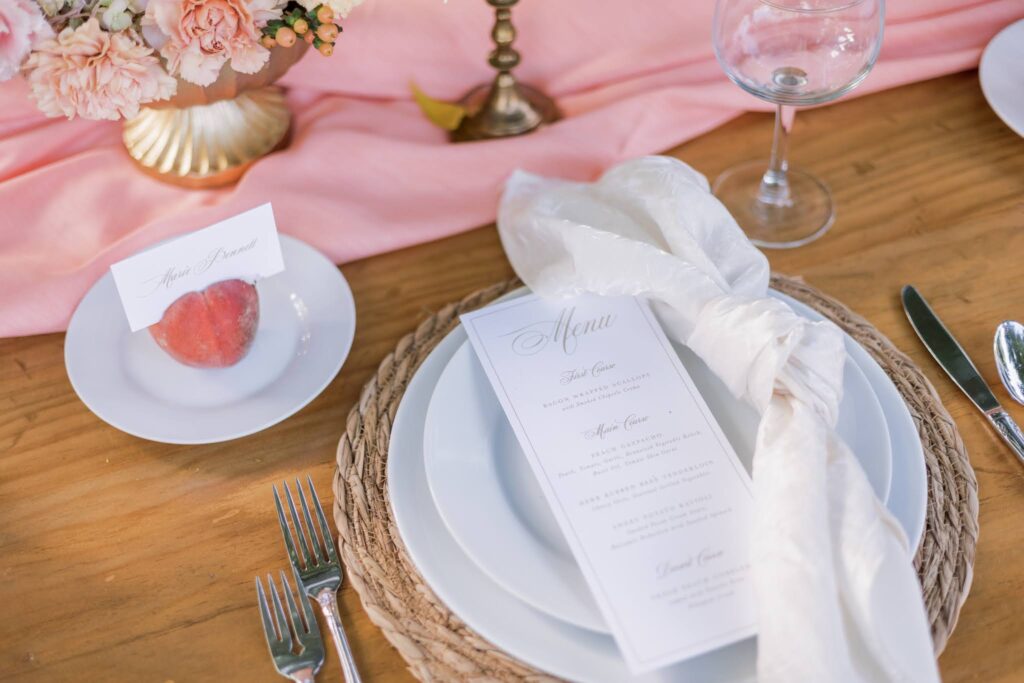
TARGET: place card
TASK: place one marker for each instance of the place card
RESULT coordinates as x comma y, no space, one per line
649,493
244,247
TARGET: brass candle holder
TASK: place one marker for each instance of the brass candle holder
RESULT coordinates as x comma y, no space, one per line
504,107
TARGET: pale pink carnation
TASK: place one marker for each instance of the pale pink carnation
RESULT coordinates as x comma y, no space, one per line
196,37
22,26
90,73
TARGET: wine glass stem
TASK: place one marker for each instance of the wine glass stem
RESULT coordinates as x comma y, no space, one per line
774,189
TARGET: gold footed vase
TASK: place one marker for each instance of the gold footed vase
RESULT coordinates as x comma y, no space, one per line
209,136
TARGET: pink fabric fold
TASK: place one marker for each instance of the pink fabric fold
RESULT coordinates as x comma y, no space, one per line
366,173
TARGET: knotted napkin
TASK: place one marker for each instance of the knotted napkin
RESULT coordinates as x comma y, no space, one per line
837,596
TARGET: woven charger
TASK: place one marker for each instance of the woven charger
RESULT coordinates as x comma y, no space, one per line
439,647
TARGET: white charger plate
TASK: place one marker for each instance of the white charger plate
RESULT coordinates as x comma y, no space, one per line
1002,75
551,644
307,322
490,501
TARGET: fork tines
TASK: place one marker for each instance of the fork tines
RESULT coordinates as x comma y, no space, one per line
283,630
319,552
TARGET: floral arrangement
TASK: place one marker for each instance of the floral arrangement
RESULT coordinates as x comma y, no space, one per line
103,59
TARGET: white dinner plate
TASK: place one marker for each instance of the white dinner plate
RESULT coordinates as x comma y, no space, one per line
551,644
307,321
1002,75
486,492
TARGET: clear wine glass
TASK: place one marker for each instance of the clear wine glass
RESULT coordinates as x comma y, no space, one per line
793,53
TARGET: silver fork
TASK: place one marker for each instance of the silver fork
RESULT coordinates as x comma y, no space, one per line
319,572
279,629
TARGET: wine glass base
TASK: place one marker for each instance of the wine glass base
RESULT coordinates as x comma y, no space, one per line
806,216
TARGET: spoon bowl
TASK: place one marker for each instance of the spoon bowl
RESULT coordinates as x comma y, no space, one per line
1009,352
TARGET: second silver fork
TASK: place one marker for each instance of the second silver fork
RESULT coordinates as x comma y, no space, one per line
280,627
317,565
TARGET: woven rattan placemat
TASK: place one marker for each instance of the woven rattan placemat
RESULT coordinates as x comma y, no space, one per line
435,642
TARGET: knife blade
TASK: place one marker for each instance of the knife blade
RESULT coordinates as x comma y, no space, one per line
952,358
946,351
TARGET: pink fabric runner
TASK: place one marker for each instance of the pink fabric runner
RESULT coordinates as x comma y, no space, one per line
366,173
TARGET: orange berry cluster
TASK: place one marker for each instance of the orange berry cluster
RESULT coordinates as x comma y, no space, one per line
315,26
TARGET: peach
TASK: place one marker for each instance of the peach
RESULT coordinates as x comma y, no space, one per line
213,328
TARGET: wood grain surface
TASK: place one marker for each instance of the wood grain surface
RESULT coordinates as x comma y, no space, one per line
125,560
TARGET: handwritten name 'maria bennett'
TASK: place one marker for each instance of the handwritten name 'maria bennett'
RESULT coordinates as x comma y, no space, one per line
566,332
220,254
169,277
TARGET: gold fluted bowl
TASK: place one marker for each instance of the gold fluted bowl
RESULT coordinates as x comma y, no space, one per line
208,136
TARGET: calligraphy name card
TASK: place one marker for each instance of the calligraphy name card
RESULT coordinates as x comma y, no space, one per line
245,247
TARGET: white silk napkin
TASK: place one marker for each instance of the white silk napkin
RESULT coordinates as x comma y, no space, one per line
837,596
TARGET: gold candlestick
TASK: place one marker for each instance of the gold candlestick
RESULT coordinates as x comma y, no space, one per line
504,107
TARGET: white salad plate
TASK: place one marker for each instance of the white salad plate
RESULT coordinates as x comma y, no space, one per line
1002,75
307,322
551,644
488,497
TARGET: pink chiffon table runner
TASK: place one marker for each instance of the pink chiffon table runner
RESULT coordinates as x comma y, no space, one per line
366,173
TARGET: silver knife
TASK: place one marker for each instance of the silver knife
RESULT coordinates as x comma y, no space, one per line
951,356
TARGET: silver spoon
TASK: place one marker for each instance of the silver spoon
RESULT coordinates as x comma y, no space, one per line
1009,350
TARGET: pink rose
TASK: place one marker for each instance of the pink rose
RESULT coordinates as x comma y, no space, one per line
196,37
90,73
22,25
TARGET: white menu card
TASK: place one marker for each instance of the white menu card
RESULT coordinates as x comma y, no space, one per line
647,490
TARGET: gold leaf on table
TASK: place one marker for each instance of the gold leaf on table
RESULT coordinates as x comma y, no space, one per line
442,114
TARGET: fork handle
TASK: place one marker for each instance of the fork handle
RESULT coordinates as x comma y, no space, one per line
329,606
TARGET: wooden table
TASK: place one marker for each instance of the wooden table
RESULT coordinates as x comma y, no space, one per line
122,559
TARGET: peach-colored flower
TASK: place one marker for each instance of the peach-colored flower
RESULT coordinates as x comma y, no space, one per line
196,37
22,25
90,73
